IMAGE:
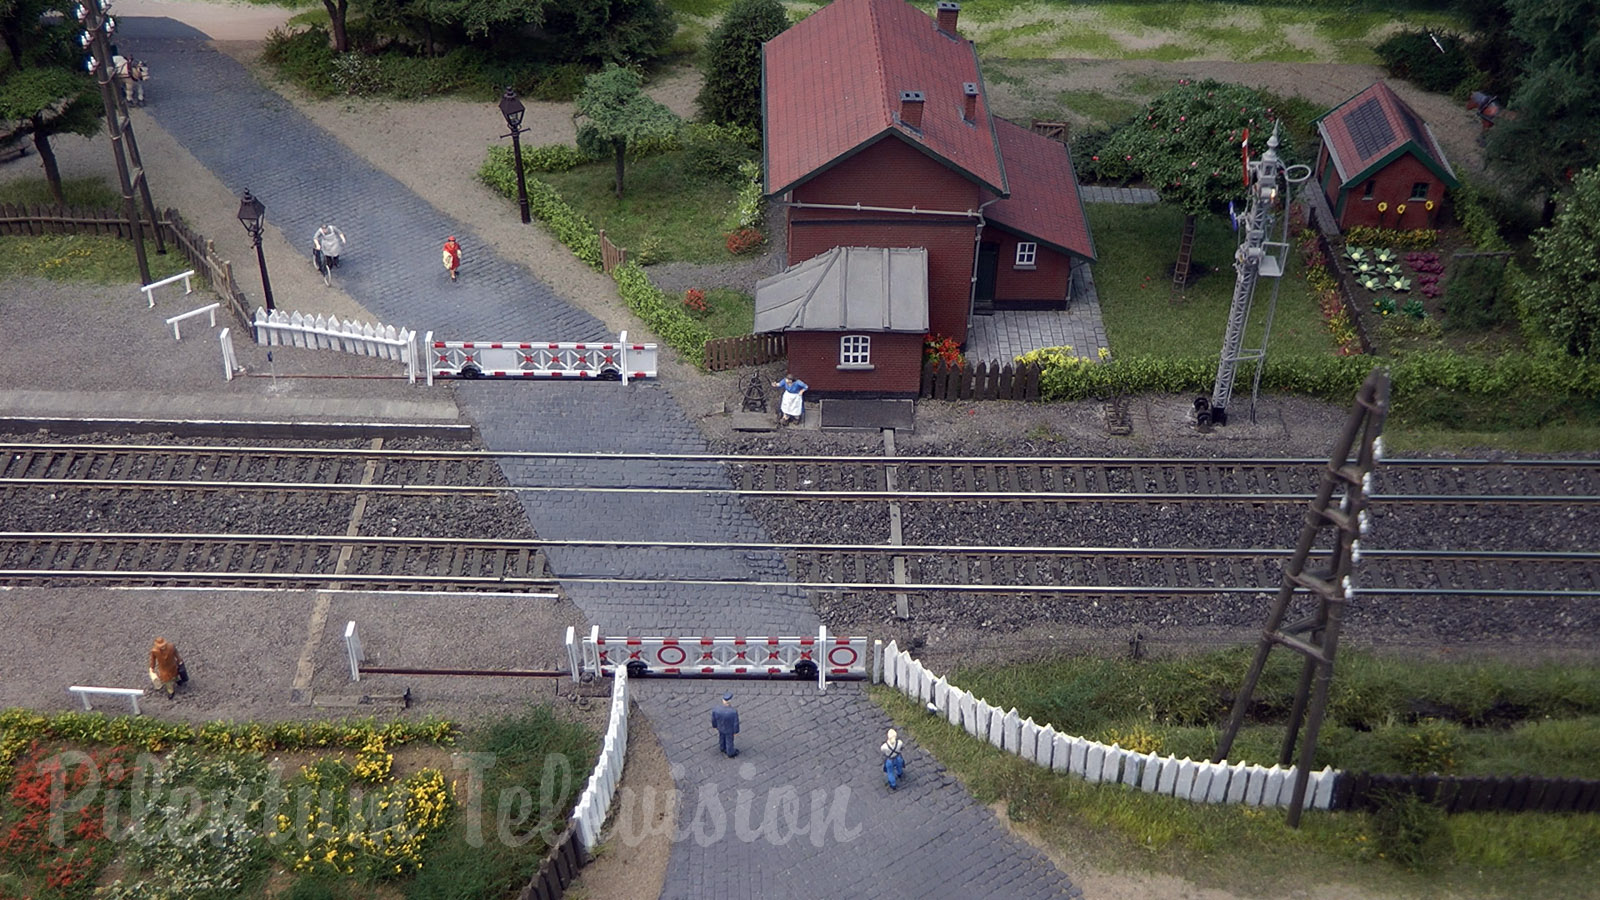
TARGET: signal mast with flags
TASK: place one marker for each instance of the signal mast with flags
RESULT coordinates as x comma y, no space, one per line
1267,182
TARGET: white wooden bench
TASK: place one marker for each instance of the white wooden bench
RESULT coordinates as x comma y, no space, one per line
150,289
84,691
211,308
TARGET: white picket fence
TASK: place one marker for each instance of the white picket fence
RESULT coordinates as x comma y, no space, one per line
292,329
590,813
1197,780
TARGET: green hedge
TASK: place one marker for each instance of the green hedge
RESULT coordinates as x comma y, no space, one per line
570,226
660,313
1333,378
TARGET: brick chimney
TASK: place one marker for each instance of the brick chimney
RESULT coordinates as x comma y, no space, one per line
970,110
948,11
911,109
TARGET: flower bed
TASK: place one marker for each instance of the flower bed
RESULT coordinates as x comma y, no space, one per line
200,812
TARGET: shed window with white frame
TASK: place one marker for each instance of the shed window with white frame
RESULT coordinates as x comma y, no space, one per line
1027,254
855,351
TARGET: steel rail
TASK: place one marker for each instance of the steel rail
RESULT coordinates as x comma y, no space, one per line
308,577
755,546
1063,589
877,461
778,494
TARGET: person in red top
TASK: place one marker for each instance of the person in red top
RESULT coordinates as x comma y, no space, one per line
452,256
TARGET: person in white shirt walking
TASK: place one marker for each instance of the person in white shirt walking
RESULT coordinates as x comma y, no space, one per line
326,246
894,760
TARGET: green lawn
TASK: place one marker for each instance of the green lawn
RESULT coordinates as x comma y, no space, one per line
664,205
729,313
86,192
1137,246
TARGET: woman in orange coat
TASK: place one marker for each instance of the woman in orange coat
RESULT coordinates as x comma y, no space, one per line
164,663
452,256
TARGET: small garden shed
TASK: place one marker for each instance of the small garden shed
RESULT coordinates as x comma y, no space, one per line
882,155
1379,163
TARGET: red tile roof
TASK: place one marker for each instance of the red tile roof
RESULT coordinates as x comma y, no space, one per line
831,85
1044,203
1365,132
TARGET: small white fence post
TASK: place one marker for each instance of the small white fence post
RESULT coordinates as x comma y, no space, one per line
229,361
573,666
822,659
427,347
150,289
211,309
622,355
352,646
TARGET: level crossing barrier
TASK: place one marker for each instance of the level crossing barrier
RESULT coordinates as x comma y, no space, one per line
820,657
619,360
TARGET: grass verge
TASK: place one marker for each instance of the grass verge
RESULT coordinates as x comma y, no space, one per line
1251,851
1138,246
76,257
1385,714
666,206
85,192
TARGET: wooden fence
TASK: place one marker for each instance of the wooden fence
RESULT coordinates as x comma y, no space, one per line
1351,308
611,255
745,350
202,255
984,381
560,867
1459,794
35,219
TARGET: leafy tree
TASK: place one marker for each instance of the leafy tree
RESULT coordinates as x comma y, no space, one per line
617,111
1555,130
1563,300
625,32
44,90
1188,145
731,93
440,23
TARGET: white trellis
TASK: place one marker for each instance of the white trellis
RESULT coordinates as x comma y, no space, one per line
293,329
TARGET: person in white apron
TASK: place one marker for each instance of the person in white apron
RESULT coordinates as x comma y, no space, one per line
793,404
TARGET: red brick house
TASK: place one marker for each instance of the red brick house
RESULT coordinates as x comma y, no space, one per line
877,136
1379,163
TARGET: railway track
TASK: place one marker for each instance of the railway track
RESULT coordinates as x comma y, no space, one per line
279,561
27,466
516,566
41,480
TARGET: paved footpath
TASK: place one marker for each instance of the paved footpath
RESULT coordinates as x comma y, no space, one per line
929,839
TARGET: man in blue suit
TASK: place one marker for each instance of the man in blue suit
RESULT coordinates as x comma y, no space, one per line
725,719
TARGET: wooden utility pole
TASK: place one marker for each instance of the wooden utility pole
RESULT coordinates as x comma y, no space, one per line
1316,637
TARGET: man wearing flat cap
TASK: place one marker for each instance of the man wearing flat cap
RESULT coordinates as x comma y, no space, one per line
725,719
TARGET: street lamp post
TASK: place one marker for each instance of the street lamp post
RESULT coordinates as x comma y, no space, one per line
512,109
253,215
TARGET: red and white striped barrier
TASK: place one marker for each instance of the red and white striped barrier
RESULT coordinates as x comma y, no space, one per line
538,359
822,656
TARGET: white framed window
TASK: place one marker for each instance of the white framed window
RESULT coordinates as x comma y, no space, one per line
855,351
1027,254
